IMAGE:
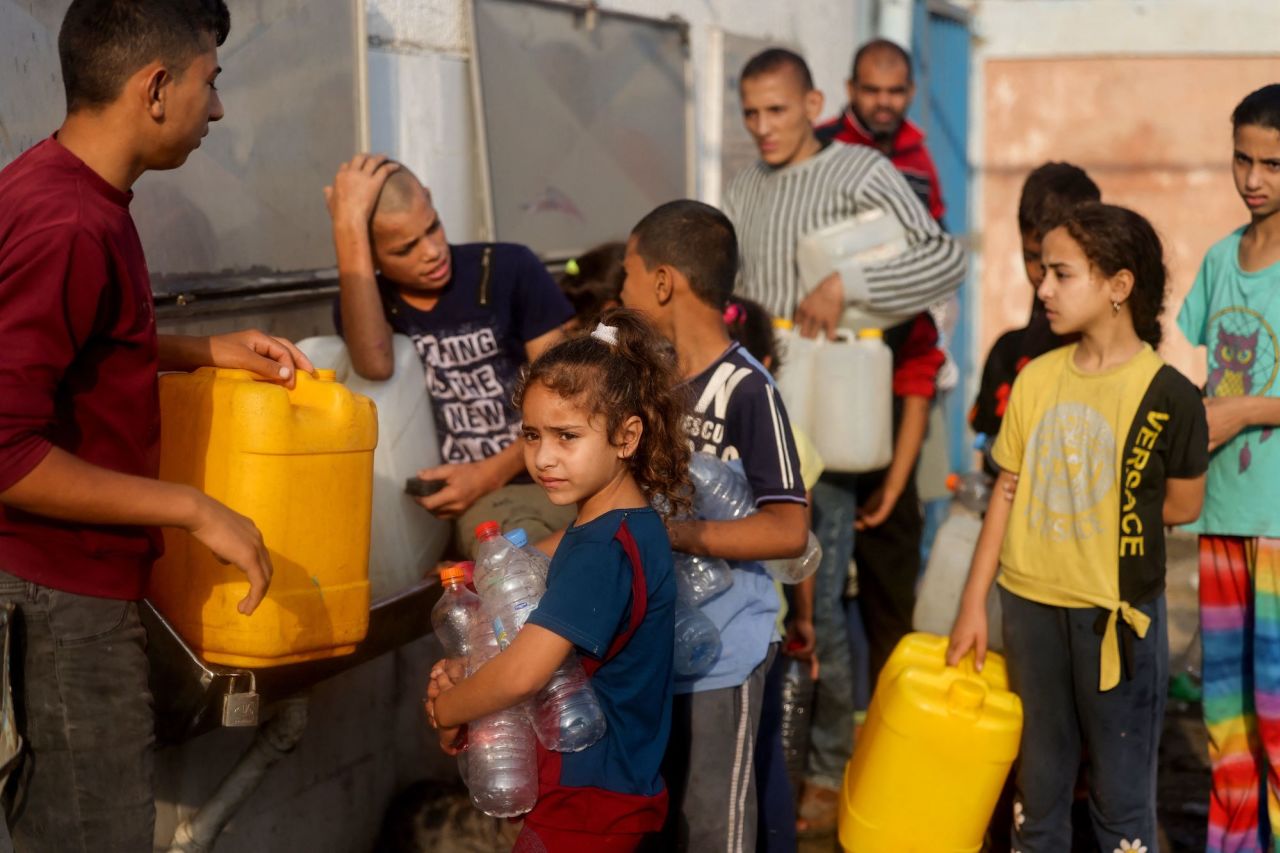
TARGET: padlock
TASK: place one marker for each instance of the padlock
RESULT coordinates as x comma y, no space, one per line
240,707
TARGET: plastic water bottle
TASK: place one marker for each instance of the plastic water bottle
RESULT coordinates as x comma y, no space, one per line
520,539
700,579
508,581
566,713
972,490
455,614
720,492
502,763
799,568
797,717
697,645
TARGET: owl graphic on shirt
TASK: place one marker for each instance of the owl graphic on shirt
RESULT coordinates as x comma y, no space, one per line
1232,376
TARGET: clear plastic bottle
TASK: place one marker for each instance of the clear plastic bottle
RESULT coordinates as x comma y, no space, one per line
700,579
697,645
797,716
971,490
796,569
720,491
518,537
509,582
502,763
566,713
455,614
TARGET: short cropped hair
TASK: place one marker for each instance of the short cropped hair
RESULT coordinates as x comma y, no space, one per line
103,42
775,59
698,240
1261,108
882,46
1050,191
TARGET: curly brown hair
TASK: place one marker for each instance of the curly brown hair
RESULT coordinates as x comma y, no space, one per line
636,376
1116,238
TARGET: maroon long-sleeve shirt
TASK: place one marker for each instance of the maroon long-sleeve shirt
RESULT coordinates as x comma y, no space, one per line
78,362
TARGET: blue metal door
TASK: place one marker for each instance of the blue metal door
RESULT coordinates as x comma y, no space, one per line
940,44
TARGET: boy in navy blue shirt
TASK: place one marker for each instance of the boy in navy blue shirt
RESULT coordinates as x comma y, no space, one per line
476,313
681,263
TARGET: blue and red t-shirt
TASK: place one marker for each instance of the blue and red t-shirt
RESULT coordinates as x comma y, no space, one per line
591,591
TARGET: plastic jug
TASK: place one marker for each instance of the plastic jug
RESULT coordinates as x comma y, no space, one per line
868,237
933,755
407,540
795,375
852,412
942,584
300,464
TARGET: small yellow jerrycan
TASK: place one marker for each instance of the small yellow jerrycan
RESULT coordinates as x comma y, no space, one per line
933,756
298,463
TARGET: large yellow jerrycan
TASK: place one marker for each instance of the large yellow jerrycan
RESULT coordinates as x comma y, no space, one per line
933,756
300,464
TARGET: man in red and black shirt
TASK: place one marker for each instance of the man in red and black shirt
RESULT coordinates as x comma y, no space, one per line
880,93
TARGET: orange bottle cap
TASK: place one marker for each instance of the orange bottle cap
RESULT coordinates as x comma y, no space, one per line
457,573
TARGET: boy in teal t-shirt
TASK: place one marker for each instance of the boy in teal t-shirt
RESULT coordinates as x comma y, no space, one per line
1233,310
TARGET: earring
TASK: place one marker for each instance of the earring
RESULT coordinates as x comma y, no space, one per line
1115,308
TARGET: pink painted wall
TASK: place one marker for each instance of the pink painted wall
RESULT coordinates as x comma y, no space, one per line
1153,132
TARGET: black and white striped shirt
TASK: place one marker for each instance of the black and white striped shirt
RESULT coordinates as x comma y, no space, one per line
773,208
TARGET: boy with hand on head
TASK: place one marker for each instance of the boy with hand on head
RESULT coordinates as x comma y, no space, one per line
680,264
80,420
477,313
1049,192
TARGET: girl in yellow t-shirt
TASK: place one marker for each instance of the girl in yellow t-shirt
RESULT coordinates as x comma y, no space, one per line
1106,445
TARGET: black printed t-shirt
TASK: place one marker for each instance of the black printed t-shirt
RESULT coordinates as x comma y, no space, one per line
472,343
738,414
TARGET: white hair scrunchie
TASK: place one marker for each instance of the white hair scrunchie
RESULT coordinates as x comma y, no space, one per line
607,334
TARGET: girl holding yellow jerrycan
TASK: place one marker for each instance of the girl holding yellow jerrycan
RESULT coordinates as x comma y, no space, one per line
1103,445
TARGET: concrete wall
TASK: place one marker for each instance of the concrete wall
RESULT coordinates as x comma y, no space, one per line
420,98
1137,93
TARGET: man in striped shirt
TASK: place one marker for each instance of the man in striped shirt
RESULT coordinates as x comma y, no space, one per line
801,184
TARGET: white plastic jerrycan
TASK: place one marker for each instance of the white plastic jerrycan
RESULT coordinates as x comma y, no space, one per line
851,407
869,237
406,539
795,376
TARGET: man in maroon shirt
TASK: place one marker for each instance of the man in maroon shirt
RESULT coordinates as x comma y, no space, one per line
881,89
79,419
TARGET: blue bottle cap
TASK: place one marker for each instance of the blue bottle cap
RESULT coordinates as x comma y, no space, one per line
517,537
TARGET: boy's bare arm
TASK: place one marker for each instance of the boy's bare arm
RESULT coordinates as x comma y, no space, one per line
64,487
906,450
269,357
351,201
1228,416
776,531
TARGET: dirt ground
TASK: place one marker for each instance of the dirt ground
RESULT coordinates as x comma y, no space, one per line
1183,782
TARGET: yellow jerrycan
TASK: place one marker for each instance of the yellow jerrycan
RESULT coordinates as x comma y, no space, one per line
300,464
933,756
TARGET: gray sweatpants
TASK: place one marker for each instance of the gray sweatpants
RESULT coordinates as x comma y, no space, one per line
710,769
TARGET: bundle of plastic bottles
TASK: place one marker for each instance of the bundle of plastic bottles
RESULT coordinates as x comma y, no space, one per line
721,493
500,765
